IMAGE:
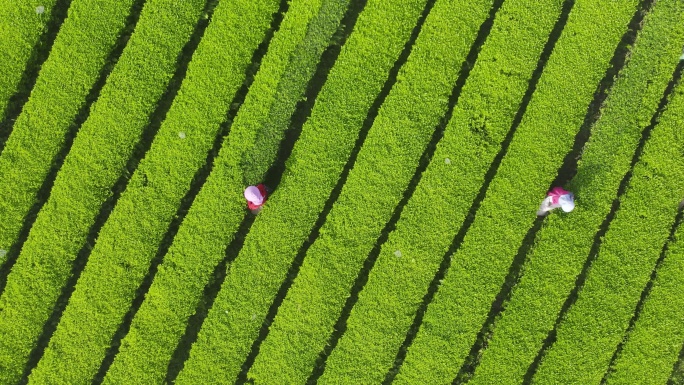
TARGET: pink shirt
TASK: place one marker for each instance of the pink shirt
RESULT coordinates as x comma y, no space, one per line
556,193
254,206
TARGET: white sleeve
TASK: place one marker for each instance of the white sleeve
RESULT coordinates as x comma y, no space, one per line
546,205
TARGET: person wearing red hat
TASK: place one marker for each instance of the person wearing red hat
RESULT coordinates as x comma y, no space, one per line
556,198
256,197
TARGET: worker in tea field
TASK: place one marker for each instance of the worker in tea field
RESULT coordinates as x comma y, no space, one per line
556,198
256,197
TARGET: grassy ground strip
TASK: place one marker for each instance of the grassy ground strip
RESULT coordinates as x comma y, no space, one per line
545,135
22,23
388,158
537,299
86,37
652,347
130,238
596,323
480,121
218,209
326,141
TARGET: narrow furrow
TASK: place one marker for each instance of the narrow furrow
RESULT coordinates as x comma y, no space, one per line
607,158
546,134
318,159
677,376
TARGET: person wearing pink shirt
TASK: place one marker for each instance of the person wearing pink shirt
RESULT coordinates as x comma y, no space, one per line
256,197
556,198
